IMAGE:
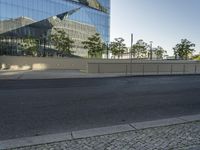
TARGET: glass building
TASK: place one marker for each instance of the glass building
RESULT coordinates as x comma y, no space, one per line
80,19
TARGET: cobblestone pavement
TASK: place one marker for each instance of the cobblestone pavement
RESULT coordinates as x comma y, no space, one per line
175,137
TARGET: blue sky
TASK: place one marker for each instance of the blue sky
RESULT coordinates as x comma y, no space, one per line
165,22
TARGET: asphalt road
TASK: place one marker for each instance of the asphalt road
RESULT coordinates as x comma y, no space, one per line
37,107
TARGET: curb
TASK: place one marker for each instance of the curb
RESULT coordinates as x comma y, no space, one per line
51,138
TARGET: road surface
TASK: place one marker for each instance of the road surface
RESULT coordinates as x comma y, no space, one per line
38,107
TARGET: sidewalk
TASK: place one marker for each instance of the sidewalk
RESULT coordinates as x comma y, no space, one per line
182,133
176,137
52,74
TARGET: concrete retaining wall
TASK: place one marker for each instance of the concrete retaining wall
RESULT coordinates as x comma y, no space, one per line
40,63
138,67
147,67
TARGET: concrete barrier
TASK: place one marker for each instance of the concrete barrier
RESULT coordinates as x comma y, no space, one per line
177,68
116,68
150,69
135,68
4,66
138,67
147,67
190,68
165,69
52,63
40,63
197,68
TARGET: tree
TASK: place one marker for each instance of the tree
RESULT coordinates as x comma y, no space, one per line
183,49
118,47
62,42
29,45
196,57
139,49
159,51
94,45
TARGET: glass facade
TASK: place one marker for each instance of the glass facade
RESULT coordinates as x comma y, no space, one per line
91,13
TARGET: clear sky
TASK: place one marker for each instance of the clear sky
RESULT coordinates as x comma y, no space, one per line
165,22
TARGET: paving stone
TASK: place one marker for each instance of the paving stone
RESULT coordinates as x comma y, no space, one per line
175,137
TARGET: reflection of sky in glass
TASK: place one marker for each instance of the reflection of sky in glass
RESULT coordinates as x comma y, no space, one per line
42,9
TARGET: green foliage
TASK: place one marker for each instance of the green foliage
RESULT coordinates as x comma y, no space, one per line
184,49
29,45
118,47
62,42
159,51
139,49
94,45
196,57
